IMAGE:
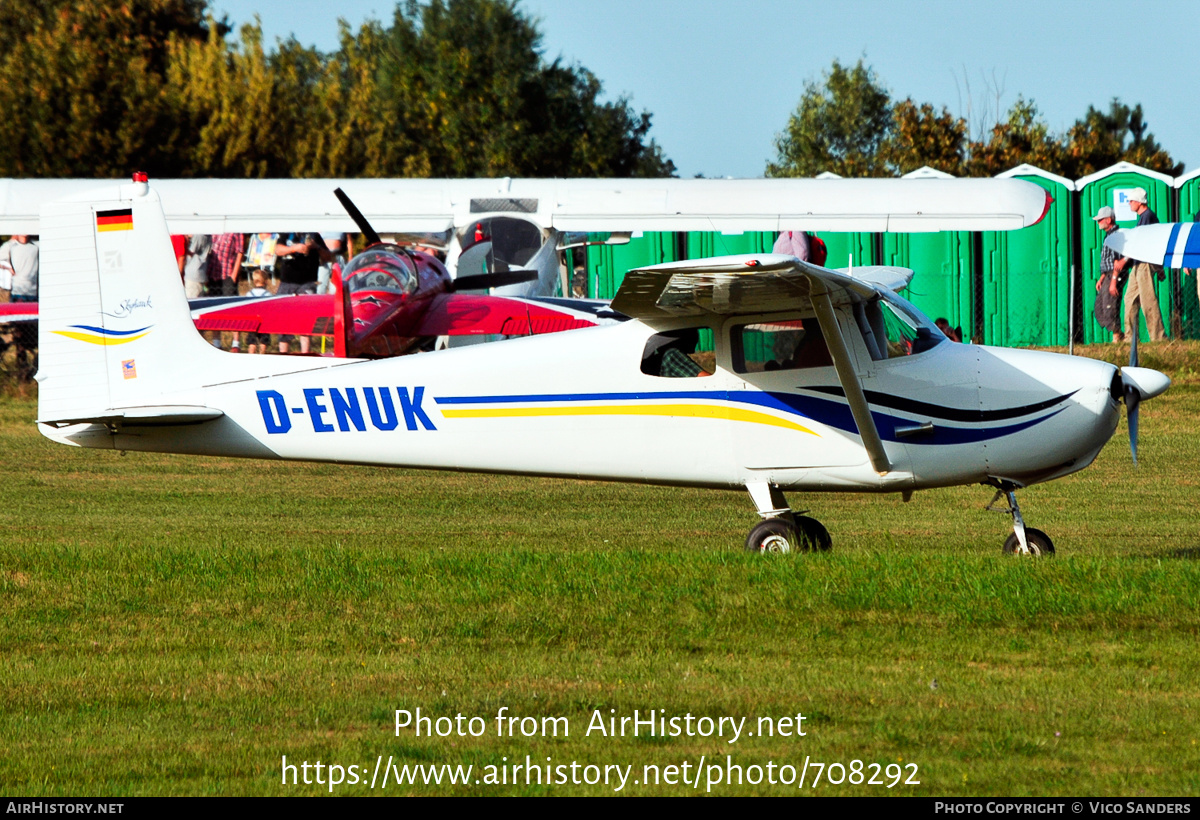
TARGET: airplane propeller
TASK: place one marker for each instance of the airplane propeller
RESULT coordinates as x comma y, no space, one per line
1139,384
481,281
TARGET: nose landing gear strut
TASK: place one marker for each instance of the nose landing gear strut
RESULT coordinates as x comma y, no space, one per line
1023,540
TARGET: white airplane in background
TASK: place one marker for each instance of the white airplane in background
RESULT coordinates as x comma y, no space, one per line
821,381
495,225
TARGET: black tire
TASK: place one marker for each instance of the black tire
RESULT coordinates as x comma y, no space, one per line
1039,543
813,535
773,535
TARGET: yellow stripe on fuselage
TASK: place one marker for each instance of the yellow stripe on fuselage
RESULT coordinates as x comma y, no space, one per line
702,411
99,340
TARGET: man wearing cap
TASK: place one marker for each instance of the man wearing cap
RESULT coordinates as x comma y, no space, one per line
1141,280
1108,289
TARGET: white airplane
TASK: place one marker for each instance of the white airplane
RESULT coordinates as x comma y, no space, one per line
820,381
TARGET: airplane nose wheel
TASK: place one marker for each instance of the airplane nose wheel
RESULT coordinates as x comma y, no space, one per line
1039,542
1023,540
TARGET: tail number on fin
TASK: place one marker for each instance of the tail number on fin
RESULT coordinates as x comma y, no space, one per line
345,409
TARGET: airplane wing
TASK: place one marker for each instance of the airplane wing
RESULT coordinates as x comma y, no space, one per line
1170,244
450,314
304,314
465,314
763,283
437,205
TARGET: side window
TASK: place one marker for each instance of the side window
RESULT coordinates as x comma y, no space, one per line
793,344
673,354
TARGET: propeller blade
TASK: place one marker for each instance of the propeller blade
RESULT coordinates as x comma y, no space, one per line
356,215
482,281
1133,397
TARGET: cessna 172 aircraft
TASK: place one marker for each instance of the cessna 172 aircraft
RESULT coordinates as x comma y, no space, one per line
820,381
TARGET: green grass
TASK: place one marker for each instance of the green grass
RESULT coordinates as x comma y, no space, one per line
174,625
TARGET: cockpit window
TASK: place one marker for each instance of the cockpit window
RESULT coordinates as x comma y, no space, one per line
498,243
891,327
785,345
380,269
673,355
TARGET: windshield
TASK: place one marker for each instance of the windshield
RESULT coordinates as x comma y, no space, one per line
380,269
497,244
892,327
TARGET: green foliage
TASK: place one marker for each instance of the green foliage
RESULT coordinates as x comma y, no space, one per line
83,86
458,88
848,124
1100,140
450,88
1023,137
841,125
922,136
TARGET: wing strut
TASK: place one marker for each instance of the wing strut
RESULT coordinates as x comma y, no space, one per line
849,379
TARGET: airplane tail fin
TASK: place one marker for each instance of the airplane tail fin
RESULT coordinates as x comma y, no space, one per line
116,339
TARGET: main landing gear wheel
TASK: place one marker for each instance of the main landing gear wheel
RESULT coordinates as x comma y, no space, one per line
813,535
1039,543
773,535
781,535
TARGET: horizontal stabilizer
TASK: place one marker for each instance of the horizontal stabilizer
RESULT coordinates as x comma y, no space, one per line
142,416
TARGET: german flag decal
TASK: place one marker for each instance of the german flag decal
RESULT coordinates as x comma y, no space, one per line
121,220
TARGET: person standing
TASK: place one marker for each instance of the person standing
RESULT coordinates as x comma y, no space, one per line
297,258
195,266
1140,291
21,253
793,243
225,262
1108,287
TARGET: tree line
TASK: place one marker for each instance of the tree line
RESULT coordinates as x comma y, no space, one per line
847,123
449,88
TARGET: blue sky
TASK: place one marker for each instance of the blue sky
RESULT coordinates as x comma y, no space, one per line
721,78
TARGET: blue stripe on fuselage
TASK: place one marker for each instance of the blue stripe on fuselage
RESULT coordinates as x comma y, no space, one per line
826,411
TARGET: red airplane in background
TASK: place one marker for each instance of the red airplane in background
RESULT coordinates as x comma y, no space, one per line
387,301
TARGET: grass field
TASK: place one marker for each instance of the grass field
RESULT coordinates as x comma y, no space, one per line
175,625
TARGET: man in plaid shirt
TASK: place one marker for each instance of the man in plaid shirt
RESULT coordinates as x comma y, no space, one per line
224,262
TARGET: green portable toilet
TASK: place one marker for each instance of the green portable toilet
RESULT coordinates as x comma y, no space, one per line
1187,189
608,264
943,274
1111,187
848,249
1026,273
703,244
942,265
